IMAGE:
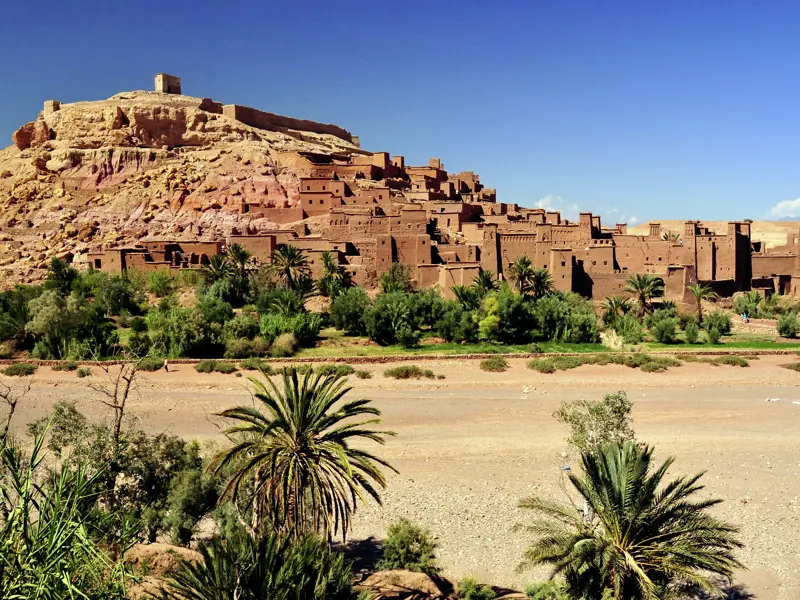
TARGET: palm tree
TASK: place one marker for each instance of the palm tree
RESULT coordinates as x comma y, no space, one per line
333,278
219,268
701,292
521,272
642,537
615,307
289,264
466,296
240,258
296,449
541,282
645,287
669,236
484,282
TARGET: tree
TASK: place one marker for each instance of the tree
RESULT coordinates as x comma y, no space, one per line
615,307
645,287
671,236
240,259
244,567
60,276
593,424
290,265
219,268
484,282
396,279
701,292
334,280
541,282
643,536
296,449
521,273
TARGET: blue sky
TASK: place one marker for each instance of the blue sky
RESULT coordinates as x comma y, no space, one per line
652,110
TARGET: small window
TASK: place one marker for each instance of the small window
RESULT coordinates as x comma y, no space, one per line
545,266
563,263
594,262
605,262
308,188
323,188
659,259
98,263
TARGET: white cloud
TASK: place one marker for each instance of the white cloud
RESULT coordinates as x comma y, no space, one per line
570,210
787,208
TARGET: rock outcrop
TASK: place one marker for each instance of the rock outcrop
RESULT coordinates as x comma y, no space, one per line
138,165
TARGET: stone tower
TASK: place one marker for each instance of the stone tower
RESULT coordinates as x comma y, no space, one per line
168,84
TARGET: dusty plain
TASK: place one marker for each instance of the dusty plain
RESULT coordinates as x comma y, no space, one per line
470,446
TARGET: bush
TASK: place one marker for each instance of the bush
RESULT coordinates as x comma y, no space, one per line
348,309
788,325
714,335
389,318
241,327
256,364
718,320
151,363
732,361
408,546
793,367
692,332
408,372
469,589
684,319
396,279
206,366
238,348
495,364
305,327
160,283
284,345
19,370
543,365
335,369
364,374
663,326
548,590
629,329
225,368
653,367
83,372
66,366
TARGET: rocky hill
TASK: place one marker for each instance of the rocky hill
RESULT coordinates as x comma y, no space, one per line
138,165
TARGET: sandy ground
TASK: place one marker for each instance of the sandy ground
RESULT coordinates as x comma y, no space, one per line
470,446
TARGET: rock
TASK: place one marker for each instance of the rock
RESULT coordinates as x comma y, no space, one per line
402,585
159,559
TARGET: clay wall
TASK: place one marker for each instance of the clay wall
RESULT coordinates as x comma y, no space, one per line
273,122
560,264
458,252
260,246
337,188
769,265
318,203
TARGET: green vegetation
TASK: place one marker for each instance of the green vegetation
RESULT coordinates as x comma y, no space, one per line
83,372
496,364
19,370
408,372
338,370
363,374
409,546
638,535
150,363
793,367
215,366
66,366
788,325
645,362
470,589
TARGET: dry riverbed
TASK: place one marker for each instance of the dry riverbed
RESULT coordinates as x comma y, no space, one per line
470,446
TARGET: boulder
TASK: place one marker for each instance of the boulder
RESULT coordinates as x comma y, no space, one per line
402,585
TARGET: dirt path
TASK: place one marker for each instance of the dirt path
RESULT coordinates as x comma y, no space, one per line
470,446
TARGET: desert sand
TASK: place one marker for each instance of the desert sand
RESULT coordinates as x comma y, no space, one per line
470,446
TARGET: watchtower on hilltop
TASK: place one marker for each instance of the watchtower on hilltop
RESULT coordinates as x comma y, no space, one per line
168,84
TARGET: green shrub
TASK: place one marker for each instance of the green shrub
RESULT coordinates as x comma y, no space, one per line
636,360
653,367
225,368
408,372
335,369
151,363
684,319
364,374
793,367
629,329
6,348
347,311
535,348
714,335
408,546
691,332
719,320
390,320
238,348
788,325
495,364
547,590
305,327
469,589
83,372
284,345
662,325
19,370
256,364
396,279
732,361
543,365
241,327
160,283
65,366
206,366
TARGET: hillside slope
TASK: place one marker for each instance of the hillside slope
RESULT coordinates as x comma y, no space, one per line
137,165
